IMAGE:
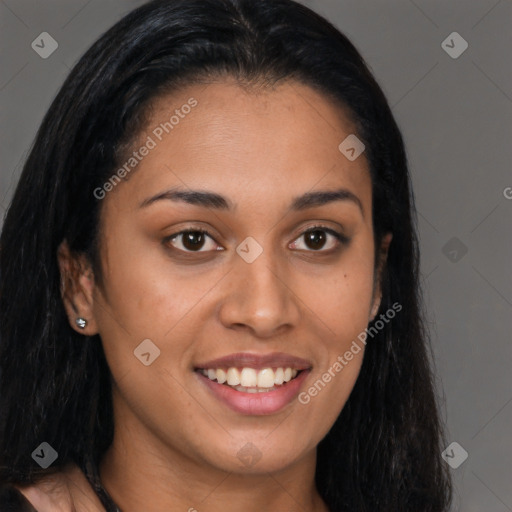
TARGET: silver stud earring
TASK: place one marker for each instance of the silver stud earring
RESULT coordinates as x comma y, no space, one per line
81,322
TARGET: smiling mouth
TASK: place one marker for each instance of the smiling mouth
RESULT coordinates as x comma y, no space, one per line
250,380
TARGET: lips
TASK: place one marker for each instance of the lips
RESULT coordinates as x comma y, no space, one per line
252,383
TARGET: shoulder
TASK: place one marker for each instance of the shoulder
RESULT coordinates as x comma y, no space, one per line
66,491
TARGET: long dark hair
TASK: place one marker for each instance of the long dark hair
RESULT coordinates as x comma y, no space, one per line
383,452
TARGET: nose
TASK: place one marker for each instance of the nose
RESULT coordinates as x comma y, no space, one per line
260,298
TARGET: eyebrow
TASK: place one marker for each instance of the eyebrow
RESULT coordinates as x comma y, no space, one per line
207,199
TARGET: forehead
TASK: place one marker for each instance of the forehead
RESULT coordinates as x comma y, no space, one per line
250,144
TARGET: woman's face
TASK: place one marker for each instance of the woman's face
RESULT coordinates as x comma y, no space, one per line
256,291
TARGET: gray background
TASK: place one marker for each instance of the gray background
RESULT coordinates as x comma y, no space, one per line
456,118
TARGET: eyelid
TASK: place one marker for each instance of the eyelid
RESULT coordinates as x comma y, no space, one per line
340,238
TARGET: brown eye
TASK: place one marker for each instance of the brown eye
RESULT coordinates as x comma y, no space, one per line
191,241
317,237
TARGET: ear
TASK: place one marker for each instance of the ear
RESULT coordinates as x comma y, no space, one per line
77,287
381,265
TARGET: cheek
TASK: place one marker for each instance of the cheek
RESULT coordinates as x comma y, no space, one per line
145,293
139,308
342,305
342,298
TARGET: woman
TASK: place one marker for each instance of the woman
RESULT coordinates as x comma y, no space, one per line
209,279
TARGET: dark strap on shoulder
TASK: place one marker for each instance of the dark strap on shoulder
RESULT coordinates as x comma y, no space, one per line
12,500
92,475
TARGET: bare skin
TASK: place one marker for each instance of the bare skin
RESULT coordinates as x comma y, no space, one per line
65,491
175,444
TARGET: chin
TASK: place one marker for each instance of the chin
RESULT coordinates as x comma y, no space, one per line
264,453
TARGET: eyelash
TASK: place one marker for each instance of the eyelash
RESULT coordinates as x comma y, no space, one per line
341,239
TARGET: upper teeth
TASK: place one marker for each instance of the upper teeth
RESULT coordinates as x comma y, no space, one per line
249,377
